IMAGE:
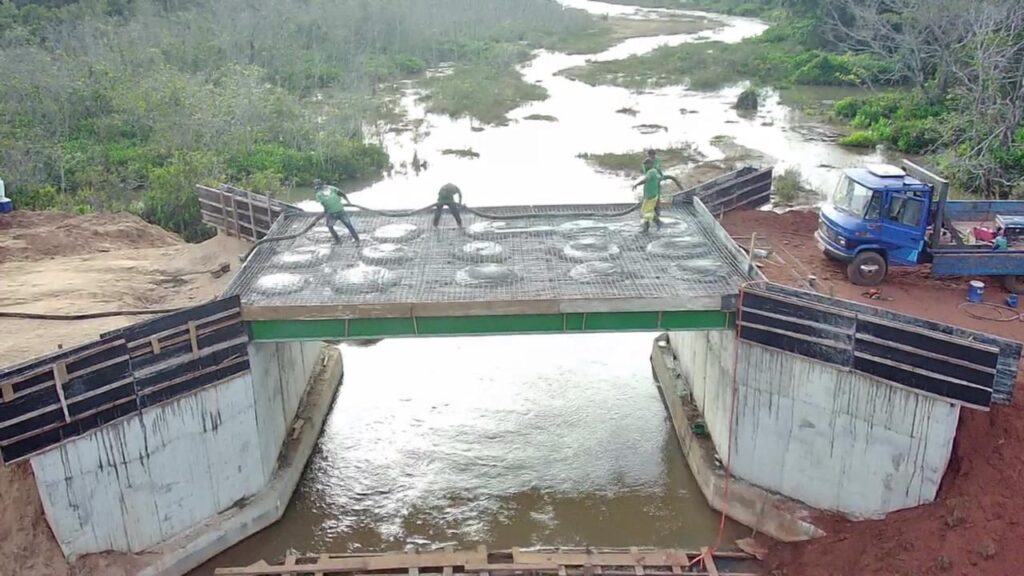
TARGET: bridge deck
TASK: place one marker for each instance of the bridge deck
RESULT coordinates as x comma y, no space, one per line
557,271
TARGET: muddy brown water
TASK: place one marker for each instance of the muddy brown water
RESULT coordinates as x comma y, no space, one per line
503,441
529,440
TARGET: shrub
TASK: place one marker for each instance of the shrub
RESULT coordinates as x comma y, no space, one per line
788,186
171,202
859,139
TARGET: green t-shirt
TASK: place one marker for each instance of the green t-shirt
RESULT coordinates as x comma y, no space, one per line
447,193
330,198
652,184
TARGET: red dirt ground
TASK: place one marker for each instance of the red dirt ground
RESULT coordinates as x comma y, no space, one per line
976,526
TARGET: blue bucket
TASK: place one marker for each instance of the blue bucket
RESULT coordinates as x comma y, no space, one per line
6,205
975,291
1011,300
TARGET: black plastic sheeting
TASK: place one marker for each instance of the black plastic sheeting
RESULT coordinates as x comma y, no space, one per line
1009,351
904,353
108,381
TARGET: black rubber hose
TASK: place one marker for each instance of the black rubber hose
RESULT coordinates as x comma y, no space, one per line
267,239
88,315
408,213
425,209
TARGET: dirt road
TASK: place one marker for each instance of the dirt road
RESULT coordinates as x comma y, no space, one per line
977,524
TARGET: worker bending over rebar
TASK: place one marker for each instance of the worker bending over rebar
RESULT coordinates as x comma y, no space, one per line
333,201
446,197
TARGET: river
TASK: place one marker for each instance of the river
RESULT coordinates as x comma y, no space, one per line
519,441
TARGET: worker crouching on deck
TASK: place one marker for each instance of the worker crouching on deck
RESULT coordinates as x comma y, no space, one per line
333,201
446,197
652,193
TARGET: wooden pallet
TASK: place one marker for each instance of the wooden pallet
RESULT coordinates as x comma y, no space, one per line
240,213
633,561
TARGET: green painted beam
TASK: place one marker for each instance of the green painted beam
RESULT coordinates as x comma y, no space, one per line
371,328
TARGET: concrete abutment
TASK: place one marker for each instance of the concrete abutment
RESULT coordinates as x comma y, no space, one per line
805,435
186,479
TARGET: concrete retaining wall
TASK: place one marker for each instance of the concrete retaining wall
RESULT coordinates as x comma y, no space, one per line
834,439
135,483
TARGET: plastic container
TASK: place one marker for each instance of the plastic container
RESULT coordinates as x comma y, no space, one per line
6,206
975,291
1011,300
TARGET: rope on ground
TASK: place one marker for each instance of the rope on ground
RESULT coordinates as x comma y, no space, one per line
1003,313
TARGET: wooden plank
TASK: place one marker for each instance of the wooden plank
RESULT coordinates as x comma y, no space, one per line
192,338
8,391
155,342
234,214
60,377
709,561
252,217
203,325
634,551
655,557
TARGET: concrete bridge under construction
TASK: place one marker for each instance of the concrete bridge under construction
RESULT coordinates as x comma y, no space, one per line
181,435
520,270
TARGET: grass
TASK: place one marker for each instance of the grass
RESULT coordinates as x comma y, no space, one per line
487,93
631,163
704,66
734,7
541,118
606,33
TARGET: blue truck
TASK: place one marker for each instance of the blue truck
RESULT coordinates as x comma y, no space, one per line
883,216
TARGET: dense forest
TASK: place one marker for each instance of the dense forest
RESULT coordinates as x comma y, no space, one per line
125,104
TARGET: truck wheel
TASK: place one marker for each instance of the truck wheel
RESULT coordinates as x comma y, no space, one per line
1014,284
867,269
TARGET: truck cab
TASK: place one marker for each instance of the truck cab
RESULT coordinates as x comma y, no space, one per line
878,217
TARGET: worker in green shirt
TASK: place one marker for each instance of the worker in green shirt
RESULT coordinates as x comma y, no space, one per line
652,193
333,201
446,197
652,155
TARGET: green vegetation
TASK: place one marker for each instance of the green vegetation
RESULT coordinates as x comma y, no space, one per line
776,58
950,71
486,91
788,187
461,152
904,120
127,104
631,163
541,118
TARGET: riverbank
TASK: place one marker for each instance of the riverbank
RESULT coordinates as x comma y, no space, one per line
971,529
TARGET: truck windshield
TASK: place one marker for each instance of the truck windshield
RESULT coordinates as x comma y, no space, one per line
855,199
